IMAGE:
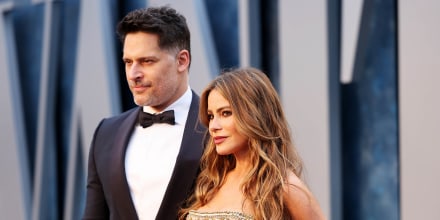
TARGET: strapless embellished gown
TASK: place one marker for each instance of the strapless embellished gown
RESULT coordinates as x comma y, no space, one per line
226,215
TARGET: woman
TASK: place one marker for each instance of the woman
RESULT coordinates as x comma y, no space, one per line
250,168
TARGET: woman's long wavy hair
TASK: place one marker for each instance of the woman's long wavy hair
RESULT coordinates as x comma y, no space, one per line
258,115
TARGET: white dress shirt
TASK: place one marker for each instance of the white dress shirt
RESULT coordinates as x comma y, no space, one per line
151,156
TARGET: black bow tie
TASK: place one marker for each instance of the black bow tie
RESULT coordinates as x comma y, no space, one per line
147,119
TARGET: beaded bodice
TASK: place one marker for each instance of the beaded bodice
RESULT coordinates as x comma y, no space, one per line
225,215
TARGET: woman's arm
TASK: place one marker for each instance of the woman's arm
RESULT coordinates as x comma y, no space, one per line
300,202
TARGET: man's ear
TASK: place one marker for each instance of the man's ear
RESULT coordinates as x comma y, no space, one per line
183,60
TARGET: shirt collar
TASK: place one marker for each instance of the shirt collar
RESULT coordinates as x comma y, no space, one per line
180,107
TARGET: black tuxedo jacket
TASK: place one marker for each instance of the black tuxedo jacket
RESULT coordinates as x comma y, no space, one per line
108,194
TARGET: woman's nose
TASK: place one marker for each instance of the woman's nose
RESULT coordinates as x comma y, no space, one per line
214,125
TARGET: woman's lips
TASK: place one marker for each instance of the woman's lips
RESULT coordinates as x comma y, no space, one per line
219,140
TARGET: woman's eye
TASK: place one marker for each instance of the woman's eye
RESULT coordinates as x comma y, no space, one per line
210,117
226,113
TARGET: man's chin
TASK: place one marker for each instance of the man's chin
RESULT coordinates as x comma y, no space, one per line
141,102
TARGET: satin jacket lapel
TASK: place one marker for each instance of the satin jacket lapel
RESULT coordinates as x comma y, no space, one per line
187,164
120,189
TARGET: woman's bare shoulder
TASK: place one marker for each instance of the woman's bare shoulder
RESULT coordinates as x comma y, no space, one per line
300,201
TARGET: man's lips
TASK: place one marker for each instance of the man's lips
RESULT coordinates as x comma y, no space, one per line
219,139
139,88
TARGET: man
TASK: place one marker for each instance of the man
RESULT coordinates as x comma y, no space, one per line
145,169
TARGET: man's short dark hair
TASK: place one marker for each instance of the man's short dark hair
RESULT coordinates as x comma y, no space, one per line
166,22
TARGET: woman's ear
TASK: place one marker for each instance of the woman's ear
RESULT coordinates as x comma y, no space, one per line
183,60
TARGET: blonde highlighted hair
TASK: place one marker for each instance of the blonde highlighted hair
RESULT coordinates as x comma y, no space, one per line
258,115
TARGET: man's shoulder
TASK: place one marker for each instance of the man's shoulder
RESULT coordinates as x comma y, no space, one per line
121,116
195,100
195,95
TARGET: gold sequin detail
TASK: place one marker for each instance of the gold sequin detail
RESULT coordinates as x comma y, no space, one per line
226,215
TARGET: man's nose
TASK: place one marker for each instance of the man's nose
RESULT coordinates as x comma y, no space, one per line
134,71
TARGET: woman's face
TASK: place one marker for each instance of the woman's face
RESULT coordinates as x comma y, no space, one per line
222,126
